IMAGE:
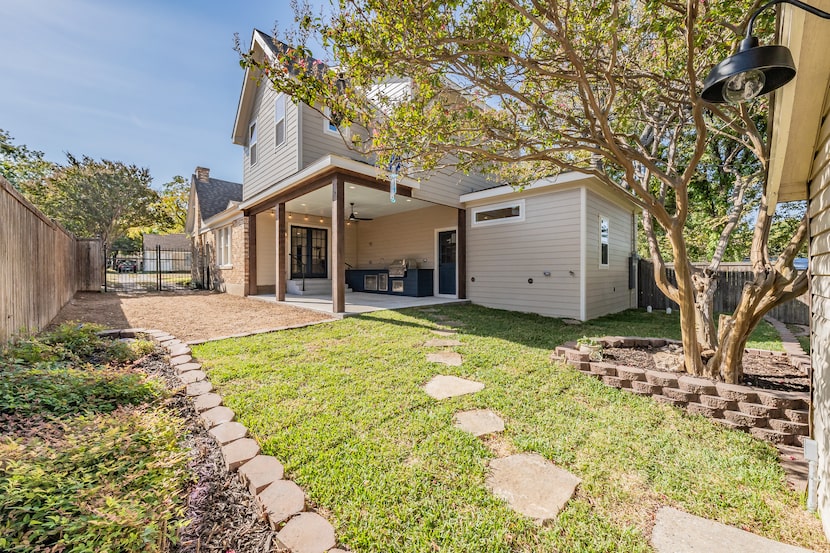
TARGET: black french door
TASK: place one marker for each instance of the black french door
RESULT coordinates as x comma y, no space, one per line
309,252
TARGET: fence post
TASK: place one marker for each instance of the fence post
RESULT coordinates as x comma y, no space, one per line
158,267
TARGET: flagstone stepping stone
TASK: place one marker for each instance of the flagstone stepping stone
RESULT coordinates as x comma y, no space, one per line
207,401
239,452
450,358
679,532
445,332
180,360
190,377
179,349
438,343
307,533
571,322
199,388
227,432
216,416
260,471
479,422
281,500
531,485
188,367
442,387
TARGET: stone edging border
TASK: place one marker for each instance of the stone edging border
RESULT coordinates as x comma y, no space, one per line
771,415
282,502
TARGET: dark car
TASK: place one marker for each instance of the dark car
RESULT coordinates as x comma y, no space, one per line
127,266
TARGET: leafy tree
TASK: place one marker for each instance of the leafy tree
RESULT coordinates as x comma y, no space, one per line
97,198
527,88
19,165
173,203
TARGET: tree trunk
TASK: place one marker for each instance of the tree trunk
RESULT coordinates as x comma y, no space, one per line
686,301
705,283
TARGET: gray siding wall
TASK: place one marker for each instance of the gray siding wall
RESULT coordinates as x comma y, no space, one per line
819,210
503,257
317,141
273,163
607,287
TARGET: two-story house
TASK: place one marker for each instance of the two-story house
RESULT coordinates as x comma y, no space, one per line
317,217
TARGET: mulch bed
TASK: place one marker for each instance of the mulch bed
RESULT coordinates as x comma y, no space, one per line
222,514
771,372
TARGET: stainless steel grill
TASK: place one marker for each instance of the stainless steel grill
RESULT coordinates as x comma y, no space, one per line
398,268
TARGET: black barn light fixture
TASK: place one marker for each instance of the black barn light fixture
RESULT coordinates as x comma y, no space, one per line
753,70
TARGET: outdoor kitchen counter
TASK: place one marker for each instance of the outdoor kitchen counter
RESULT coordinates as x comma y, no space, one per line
416,282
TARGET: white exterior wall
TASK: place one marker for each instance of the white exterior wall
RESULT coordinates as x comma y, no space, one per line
502,257
819,211
607,287
410,234
274,163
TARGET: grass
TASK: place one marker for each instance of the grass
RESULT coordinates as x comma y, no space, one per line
340,404
90,458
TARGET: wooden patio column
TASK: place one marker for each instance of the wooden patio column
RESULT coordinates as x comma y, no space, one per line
280,241
250,274
338,250
461,254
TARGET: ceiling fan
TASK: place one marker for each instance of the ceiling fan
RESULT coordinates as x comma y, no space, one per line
353,216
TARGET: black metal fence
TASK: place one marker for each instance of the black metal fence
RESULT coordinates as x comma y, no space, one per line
147,271
731,280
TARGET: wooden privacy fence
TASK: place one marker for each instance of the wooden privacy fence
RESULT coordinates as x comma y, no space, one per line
41,265
731,279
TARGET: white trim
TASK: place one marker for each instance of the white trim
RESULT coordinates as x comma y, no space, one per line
327,124
492,207
583,247
280,99
224,259
437,264
253,138
562,178
320,166
600,264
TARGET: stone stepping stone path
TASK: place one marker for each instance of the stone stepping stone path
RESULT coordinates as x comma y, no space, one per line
441,343
282,501
479,422
531,485
445,333
450,358
679,532
443,387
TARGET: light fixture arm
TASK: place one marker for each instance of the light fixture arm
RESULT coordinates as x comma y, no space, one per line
797,3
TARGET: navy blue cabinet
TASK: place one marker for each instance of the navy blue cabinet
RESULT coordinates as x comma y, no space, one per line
417,282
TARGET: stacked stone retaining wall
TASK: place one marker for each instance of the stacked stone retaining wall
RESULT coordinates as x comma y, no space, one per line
776,416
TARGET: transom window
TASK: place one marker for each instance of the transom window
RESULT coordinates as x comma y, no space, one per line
279,120
510,212
252,143
604,232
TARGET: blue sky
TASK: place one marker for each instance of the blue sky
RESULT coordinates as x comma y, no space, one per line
152,82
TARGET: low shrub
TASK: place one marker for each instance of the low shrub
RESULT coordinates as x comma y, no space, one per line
109,483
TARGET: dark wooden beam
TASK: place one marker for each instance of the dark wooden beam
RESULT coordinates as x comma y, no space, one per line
338,250
280,247
250,276
461,254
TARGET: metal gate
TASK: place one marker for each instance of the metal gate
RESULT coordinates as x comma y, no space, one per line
150,270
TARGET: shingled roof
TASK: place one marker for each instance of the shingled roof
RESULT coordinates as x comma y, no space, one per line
214,195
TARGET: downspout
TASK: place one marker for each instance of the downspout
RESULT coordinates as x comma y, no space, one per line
583,250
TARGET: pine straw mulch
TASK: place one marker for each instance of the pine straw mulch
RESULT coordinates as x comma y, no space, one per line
771,372
222,513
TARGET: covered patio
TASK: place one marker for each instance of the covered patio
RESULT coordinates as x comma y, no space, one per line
339,223
358,303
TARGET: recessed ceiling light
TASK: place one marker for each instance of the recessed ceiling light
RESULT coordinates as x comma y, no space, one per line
408,200
351,187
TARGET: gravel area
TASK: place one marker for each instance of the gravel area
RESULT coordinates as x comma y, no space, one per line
190,315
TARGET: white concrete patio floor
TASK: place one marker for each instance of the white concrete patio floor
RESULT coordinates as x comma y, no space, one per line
359,302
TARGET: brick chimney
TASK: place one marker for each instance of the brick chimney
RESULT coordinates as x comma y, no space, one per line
202,174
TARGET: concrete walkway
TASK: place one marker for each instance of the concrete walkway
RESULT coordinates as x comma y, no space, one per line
358,302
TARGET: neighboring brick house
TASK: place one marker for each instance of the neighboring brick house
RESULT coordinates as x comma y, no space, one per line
217,233
539,250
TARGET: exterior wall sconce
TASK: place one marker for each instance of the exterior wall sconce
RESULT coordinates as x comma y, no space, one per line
753,70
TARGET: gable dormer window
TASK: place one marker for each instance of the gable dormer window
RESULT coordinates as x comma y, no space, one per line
252,143
279,120
329,125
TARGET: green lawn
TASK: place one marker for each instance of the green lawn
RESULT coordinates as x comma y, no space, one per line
340,404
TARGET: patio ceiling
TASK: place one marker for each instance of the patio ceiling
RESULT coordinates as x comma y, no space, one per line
368,202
